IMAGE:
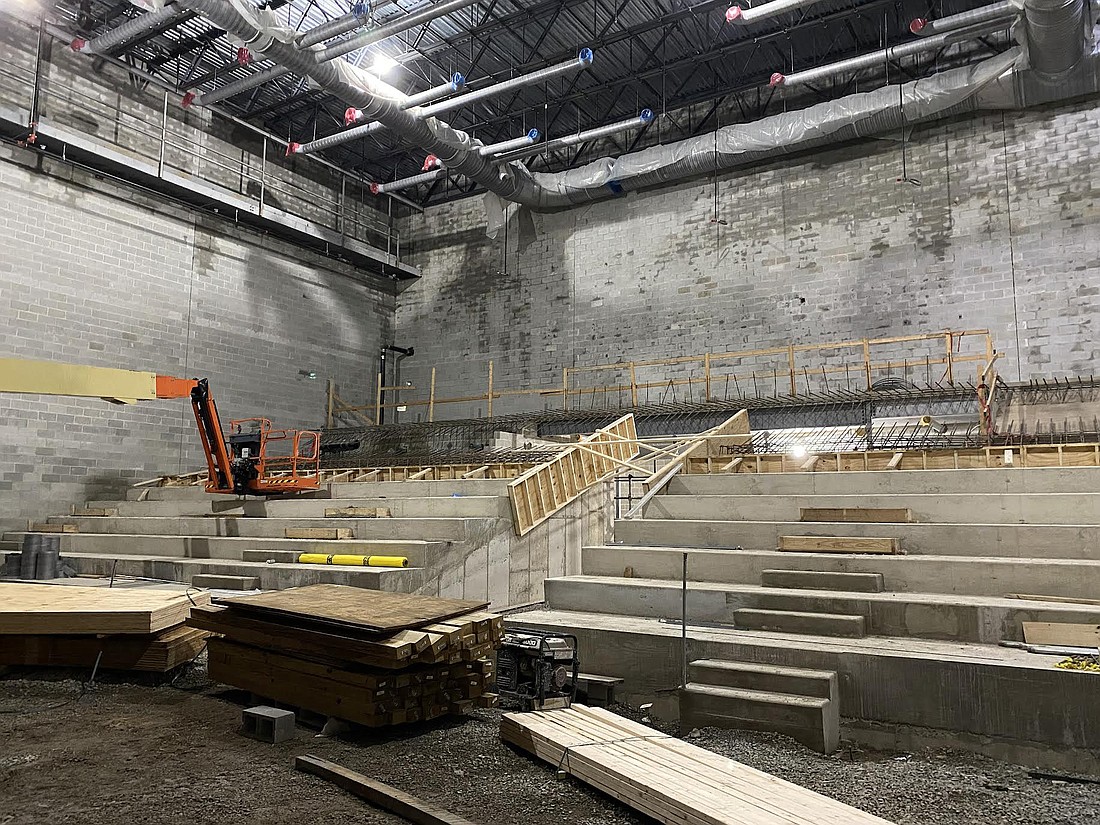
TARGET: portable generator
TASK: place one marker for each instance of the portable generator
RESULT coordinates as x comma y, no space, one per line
538,668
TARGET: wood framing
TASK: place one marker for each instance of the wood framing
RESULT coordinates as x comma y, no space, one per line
857,515
1063,634
544,490
839,544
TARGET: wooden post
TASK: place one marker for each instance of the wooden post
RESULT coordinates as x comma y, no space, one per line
706,372
867,361
489,395
790,366
328,408
431,398
378,400
947,338
633,387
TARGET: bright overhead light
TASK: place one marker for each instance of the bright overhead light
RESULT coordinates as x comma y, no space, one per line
383,64
798,451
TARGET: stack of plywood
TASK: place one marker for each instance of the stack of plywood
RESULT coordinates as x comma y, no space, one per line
366,656
665,778
74,626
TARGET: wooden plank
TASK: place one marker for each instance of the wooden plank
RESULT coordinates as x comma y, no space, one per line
336,604
69,609
1062,599
327,533
379,794
357,512
158,653
838,544
1061,633
857,515
894,461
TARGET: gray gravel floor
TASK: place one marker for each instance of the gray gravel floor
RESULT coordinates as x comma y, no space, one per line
148,753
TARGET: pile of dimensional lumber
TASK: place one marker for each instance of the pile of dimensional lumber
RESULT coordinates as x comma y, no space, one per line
67,625
666,778
365,656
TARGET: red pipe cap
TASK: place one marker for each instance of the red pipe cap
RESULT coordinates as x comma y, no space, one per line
78,44
293,148
430,162
351,115
374,188
244,56
188,100
733,14
917,25
777,79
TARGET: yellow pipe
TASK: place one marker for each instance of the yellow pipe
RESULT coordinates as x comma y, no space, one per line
358,561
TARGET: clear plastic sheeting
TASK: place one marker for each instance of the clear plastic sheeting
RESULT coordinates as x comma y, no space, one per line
850,117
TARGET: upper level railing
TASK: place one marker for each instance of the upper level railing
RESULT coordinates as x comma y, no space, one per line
148,124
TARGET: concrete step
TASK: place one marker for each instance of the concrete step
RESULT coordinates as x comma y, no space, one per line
213,582
399,507
796,621
230,548
427,529
176,494
890,482
421,489
798,681
955,508
976,575
174,509
917,615
894,693
807,719
1055,541
271,576
823,580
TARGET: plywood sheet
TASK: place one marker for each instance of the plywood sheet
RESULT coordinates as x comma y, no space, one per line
1063,634
335,604
69,609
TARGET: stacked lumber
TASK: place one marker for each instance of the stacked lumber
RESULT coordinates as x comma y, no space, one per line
43,625
665,778
365,656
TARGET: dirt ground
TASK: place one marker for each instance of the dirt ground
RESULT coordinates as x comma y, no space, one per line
121,752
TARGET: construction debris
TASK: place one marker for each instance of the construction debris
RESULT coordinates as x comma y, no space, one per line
364,656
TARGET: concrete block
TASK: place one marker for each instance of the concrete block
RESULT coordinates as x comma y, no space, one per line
823,580
268,724
811,720
791,621
209,580
798,681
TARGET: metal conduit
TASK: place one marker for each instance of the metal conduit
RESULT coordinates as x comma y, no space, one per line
582,61
876,58
985,14
405,23
135,27
737,14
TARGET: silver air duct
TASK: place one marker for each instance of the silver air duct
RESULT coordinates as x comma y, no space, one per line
1055,35
1004,10
131,29
737,14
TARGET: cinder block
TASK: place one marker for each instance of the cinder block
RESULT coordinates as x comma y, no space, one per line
268,724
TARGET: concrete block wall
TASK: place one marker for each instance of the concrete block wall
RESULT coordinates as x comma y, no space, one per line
826,246
92,272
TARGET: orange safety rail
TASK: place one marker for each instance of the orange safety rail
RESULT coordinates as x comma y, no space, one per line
289,460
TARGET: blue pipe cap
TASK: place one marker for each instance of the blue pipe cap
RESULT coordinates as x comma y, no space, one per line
458,80
647,116
585,57
533,135
360,9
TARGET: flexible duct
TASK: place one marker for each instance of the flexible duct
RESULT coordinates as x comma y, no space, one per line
509,145
644,119
131,29
354,19
1055,35
877,58
1004,10
405,183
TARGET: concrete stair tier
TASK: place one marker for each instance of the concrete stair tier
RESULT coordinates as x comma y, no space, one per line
914,636
799,702
457,536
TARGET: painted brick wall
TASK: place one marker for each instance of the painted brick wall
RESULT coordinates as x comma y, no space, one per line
1001,233
93,273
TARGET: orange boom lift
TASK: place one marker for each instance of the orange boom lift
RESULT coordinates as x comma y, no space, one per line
255,459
